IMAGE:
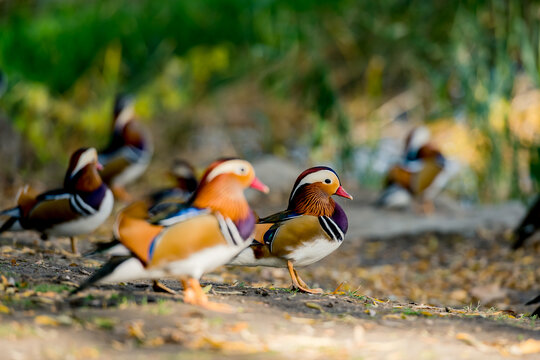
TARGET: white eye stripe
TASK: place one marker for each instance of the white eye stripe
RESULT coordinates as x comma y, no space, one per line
419,137
125,116
318,176
86,158
231,166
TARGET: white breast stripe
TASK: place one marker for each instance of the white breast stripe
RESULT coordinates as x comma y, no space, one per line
331,228
234,232
58,196
335,226
230,231
224,229
76,207
84,205
326,228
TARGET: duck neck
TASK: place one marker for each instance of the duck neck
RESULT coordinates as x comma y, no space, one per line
226,198
312,200
85,180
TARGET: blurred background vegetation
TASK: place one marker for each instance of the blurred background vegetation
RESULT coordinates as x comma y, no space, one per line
312,80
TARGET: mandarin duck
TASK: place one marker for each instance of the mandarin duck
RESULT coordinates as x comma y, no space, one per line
186,184
206,233
129,151
419,175
528,226
536,312
312,227
158,202
82,205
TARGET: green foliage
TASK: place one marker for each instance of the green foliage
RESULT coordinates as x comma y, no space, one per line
67,59
58,288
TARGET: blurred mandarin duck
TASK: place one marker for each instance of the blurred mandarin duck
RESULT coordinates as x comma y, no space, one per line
312,227
129,151
528,226
216,225
419,175
536,300
186,183
82,205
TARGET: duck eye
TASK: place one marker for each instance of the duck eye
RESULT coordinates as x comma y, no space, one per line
328,181
242,170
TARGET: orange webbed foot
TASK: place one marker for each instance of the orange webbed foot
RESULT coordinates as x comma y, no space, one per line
424,207
298,283
194,294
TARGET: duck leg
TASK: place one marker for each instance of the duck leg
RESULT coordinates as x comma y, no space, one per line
194,294
428,208
301,282
298,282
73,242
159,287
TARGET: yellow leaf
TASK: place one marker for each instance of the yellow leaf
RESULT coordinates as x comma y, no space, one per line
239,326
4,309
529,346
27,293
315,306
135,330
394,317
157,341
46,320
229,346
87,353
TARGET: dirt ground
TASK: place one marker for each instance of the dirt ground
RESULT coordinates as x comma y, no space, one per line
445,286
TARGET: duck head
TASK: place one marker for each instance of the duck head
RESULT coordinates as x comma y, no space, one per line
82,173
126,131
222,188
184,174
313,190
416,139
124,111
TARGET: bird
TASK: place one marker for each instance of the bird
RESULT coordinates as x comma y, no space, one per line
204,234
186,184
129,150
419,175
312,227
82,205
157,202
528,226
536,300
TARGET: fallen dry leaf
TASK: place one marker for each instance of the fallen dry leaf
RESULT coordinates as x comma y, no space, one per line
315,306
155,342
135,329
46,320
4,309
239,326
394,317
472,341
235,347
530,346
